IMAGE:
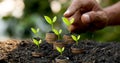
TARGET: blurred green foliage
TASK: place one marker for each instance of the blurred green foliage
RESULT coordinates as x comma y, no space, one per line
41,7
106,3
34,13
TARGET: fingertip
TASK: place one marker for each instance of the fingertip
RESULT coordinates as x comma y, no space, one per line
67,13
85,18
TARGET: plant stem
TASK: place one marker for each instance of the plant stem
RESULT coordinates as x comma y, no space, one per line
61,53
38,46
36,34
77,43
52,26
59,37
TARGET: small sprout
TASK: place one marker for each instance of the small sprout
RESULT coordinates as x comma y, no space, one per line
60,50
36,42
75,38
57,32
51,21
35,31
68,22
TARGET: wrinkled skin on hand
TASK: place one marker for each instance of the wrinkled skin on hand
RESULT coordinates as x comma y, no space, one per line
88,16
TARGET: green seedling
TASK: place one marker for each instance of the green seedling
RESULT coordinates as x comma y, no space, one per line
75,38
60,50
68,22
37,43
35,31
51,21
57,32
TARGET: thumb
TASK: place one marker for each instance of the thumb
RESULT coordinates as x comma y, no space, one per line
94,18
88,17
72,8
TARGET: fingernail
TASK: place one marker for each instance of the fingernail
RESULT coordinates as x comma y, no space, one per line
86,18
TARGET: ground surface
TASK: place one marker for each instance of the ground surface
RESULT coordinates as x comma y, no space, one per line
17,51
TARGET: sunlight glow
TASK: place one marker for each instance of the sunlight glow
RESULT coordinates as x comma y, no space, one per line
55,6
11,7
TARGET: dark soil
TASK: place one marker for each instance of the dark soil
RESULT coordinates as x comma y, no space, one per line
15,51
62,57
78,46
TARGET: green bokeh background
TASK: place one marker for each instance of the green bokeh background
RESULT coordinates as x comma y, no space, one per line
34,13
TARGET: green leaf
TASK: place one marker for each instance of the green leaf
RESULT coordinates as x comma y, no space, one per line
63,49
74,37
71,20
78,37
48,20
60,31
36,42
33,30
59,49
38,29
66,21
55,31
40,41
54,19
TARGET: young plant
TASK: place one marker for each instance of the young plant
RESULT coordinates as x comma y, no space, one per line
68,22
51,21
60,50
35,31
57,33
37,43
75,38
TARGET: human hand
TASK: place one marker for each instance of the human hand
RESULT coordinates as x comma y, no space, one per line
88,16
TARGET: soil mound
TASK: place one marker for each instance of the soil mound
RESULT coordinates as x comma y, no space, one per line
14,51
